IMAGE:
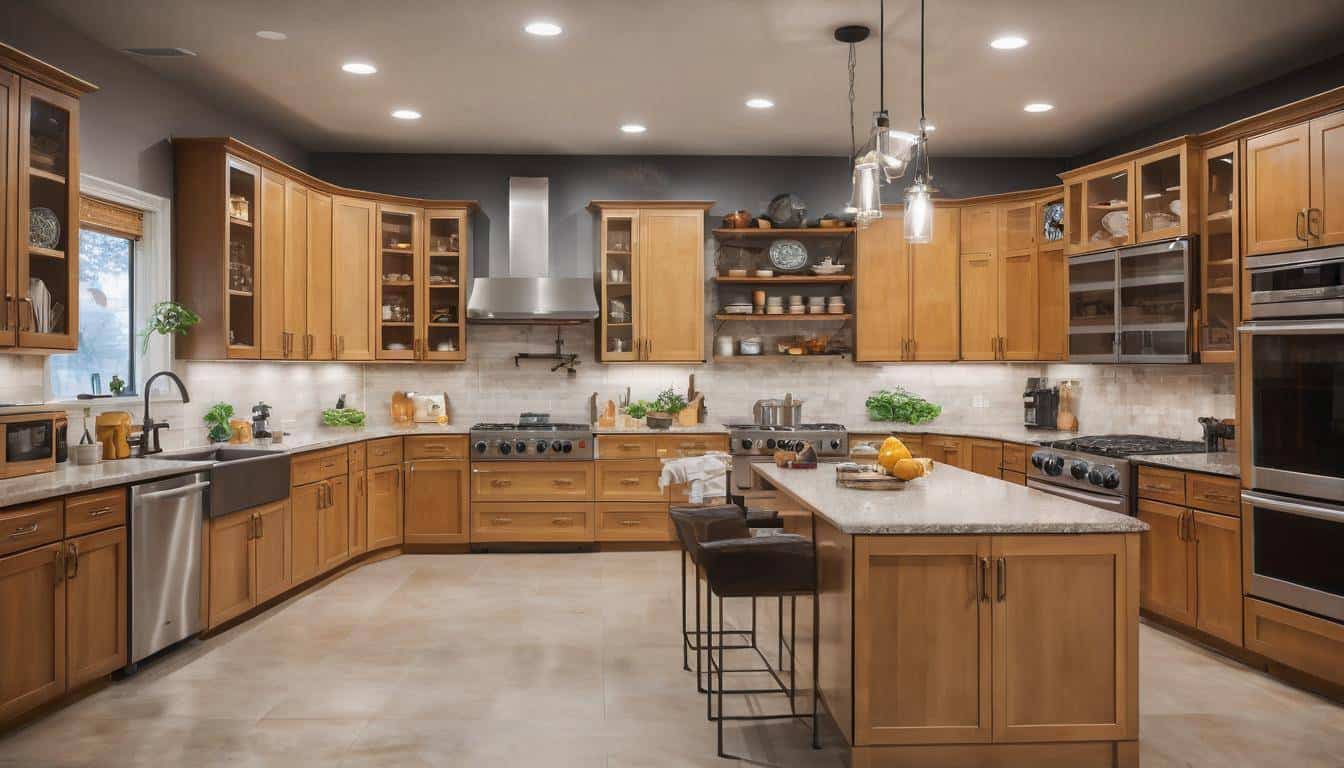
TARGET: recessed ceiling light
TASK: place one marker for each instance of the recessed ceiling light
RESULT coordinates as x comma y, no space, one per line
406,114
359,68
267,34
633,128
543,28
1038,106
1008,43
759,103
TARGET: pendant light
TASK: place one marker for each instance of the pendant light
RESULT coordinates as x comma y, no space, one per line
891,149
918,219
861,188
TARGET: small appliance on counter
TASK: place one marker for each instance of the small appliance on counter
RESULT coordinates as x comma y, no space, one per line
1040,404
30,442
1216,432
261,423
114,432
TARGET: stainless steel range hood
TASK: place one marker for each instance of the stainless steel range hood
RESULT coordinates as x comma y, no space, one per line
530,292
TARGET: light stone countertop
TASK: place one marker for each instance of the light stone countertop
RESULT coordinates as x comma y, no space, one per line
1013,433
70,478
1223,463
708,428
946,501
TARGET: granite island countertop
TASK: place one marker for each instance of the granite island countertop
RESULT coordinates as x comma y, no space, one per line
946,501
1223,463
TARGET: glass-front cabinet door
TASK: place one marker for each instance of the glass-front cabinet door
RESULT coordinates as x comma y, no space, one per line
399,293
1108,220
446,250
619,340
48,260
1218,255
1163,199
243,309
1154,302
1092,316
9,311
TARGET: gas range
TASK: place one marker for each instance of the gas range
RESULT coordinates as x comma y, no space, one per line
764,440
1098,465
533,438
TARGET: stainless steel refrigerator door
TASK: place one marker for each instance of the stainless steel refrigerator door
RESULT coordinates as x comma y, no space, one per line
167,519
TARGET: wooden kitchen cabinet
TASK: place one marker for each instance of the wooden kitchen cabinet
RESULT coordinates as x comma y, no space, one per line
926,682
32,629
307,503
96,609
272,559
250,560
934,295
979,306
1217,545
1220,249
384,506
334,524
318,284
437,501
986,457
9,242
354,238
447,243
655,311
631,480
359,507
270,285
1167,564
907,297
632,521
295,271
532,522
400,307
540,481
1325,219
947,450
1019,301
1278,190
1052,280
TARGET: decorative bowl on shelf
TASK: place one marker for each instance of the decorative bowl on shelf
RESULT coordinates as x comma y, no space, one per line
788,255
44,228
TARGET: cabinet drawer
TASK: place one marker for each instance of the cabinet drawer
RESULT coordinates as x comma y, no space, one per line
384,451
645,521
31,526
441,447
630,480
318,465
1299,640
1162,485
89,512
532,481
1015,458
1016,478
627,447
674,446
540,521
1213,493
358,457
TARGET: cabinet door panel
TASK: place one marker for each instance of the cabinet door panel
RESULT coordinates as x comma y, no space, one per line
978,229
1167,560
1019,305
32,629
882,292
359,512
672,285
296,267
986,457
307,503
979,306
9,126
935,298
925,681
384,487
353,241
1327,179
272,551
1277,188
96,606
1065,643
233,587
629,480
334,525
318,320
436,502
270,278
1052,268
1218,556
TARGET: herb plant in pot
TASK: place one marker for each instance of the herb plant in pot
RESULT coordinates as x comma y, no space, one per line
635,412
902,406
665,408
218,419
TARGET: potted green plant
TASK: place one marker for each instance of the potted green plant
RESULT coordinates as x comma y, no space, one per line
902,406
218,418
665,408
167,318
635,412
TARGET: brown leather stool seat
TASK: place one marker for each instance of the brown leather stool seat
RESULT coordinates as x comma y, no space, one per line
767,566
697,525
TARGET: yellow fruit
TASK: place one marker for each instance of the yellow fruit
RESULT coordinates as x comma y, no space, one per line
895,444
908,469
888,457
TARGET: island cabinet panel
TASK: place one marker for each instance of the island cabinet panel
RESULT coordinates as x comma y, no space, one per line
334,524
32,629
437,501
1065,647
1217,544
922,640
271,544
96,607
1168,575
385,504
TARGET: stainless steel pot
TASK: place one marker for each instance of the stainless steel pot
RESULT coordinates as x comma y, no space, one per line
778,413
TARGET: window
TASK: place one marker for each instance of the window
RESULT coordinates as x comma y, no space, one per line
106,330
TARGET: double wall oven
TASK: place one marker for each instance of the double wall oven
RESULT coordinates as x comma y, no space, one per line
1293,347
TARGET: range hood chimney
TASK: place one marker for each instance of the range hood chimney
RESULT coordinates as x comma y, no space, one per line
531,293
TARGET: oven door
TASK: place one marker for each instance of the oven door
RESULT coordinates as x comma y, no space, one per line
1099,500
1293,548
1297,407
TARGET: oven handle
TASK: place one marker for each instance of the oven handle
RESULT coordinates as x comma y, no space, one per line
1117,503
1281,504
1294,327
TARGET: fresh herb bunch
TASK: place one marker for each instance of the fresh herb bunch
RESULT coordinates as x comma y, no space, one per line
167,318
218,418
638,409
669,401
343,417
901,405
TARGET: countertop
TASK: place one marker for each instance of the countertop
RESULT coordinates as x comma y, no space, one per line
1223,463
708,428
946,501
1013,433
69,478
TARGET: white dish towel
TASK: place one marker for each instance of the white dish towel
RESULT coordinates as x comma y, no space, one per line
707,475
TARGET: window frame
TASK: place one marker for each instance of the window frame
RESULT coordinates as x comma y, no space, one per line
151,282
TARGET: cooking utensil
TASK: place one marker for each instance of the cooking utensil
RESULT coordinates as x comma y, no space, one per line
778,413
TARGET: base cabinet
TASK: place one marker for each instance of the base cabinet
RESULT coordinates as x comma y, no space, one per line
384,506
96,609
333,528
436,502
32,629
359,511
250,560
308,502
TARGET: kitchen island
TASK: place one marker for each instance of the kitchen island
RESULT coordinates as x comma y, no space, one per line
969,621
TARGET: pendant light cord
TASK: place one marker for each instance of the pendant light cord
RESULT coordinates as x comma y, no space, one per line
921,65
853,148
882,54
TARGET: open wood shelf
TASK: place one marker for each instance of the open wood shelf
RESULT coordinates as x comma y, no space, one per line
50,253
793,232
783,317
777,356
396,324
236,292
1220,215
38,173
1109,207
240,222
444,253
784,279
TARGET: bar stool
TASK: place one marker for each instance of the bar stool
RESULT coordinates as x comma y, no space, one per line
694,527
778,566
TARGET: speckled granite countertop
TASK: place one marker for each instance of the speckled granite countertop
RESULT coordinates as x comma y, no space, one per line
708,428
1223,463
947,501
1013,433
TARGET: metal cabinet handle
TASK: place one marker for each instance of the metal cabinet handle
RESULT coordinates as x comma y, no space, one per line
1180,526
627,481
26,530
630,446
1301,225
565,483
100,512
502,520
984,579
631,522
1002,570
561,521
72,560
1194,530
59,557
501,483
1314,214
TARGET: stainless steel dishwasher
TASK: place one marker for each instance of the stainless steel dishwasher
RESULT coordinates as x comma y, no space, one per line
167,520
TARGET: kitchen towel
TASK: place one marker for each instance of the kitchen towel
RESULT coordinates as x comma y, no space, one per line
707,475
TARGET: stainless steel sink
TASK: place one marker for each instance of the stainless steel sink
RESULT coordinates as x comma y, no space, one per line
240,478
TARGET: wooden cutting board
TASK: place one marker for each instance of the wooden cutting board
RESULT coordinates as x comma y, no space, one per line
868,480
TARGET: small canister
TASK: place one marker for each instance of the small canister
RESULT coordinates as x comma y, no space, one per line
723,346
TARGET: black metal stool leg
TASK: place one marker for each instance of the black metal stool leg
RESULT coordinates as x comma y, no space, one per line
816,674
721,712
793,653
685,658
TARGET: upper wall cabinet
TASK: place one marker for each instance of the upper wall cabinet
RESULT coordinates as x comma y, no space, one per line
39,204
907,296
1295,187
283,266
652,280
1136,198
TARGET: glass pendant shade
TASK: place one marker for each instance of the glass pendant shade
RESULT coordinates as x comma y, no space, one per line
918,213
867,194
893,148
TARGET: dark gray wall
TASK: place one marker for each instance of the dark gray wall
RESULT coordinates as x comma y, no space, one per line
125,126
1299,84
732,182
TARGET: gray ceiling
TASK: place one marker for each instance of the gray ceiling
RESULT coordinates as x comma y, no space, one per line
685,68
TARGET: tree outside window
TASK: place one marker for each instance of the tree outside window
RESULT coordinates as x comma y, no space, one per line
106,328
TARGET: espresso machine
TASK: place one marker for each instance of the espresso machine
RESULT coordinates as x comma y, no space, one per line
1040,404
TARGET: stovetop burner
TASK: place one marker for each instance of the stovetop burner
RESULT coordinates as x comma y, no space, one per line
823,427
1120,446
524,427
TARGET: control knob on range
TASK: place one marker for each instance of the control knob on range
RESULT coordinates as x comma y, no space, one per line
481,447
556,445
541,446
1106,477
1053,465
567,447
520,447
835,445
1038,459
505,448
1078,469
747,444
770,443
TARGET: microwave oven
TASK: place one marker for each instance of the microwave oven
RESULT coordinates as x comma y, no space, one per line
29,443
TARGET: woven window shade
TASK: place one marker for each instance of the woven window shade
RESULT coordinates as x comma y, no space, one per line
111,218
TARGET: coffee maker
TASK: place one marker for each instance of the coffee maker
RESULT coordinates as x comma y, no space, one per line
1040,404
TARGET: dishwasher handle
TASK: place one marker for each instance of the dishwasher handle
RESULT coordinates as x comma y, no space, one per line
173,493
